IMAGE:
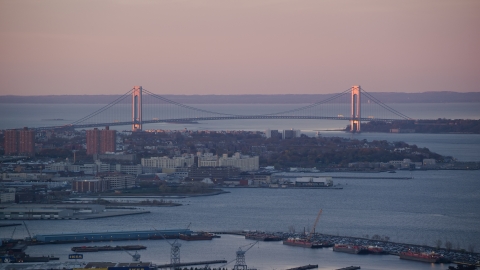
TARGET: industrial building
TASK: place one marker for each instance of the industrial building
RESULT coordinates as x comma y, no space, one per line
166,162
314,181
56,211
34,213
110,236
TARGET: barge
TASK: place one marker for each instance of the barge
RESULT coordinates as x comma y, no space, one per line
197,236
263,237
298,242
107,248
352,249
421,257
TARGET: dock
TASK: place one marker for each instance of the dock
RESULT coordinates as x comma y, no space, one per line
108,236
191,263
305,267
10,224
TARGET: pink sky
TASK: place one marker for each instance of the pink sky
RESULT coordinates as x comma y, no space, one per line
238,47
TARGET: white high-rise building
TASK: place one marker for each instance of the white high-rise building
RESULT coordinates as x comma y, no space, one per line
166,162
243,162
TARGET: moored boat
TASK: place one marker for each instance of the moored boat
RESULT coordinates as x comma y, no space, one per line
262,237
321,244
299,242
420,256
352,249
375,250
197,236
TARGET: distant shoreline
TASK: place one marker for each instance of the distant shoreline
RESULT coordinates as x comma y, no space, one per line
394,97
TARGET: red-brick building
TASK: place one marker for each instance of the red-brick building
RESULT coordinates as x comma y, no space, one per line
101,141
21,142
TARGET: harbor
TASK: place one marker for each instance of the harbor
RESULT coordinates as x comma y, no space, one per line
349,246
263,255
359,212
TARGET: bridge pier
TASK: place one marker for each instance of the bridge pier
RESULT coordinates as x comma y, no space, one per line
355,109
137,108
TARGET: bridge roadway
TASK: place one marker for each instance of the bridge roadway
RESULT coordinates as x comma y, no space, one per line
233,117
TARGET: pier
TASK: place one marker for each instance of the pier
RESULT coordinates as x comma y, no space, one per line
305,267
191,263
109,236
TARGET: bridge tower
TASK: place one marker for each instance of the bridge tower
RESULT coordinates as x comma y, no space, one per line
355,109
137,108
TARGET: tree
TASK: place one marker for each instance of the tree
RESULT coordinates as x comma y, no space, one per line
438,243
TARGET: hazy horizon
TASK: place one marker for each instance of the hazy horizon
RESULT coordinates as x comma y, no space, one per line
57,47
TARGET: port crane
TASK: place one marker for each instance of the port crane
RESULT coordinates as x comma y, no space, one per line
175,249
312,232
240,258
29,235
135,257
14,228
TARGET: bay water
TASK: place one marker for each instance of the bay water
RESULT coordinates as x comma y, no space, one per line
434,205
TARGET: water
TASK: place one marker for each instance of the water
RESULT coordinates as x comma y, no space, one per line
435,205
265,255
34,115
464,147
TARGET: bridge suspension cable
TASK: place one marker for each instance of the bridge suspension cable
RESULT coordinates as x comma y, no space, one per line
385,106
104,108
311,105
185,106
163,109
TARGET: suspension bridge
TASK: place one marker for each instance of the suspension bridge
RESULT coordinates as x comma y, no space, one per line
140,106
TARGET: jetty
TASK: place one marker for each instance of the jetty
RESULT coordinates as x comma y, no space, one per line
191,263
107,236
305,267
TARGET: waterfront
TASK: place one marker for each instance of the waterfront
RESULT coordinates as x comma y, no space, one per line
263,256
434,205
464,147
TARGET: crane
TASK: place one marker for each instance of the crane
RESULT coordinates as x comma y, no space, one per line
175,249
29,235
135,257
240,258
14,228
312,232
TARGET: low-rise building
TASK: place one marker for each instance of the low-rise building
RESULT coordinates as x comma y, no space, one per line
34,213
242,162
166,162
119,180
7,195
429,161
90,185
314,181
